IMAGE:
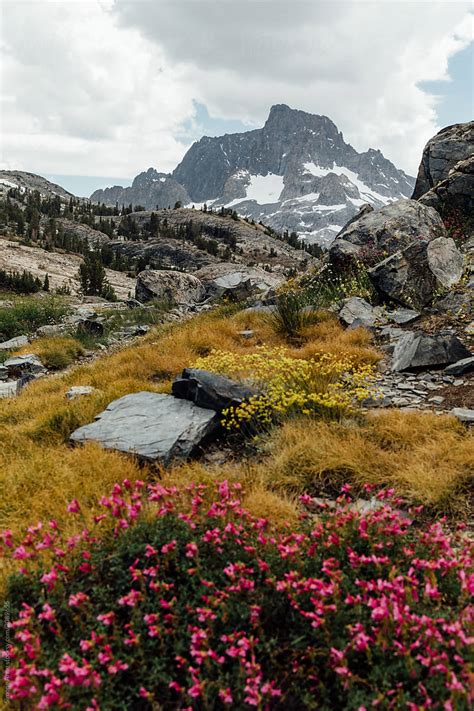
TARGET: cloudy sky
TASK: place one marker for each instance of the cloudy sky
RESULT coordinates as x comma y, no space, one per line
103,89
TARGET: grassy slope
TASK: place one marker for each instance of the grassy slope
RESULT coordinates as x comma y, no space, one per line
427,456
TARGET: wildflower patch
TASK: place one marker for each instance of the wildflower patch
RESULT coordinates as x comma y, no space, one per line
326,385
194,603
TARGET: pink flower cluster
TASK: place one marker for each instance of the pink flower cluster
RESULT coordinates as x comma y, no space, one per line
258,616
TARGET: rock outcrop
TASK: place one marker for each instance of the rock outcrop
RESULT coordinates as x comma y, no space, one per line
169,286
442,152
413,276
445,179
454,196
416,350
383,232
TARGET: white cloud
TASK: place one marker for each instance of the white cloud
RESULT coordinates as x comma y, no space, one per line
357,62
103,87
84,96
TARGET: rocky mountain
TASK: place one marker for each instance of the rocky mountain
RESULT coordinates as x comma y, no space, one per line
150,189
296,173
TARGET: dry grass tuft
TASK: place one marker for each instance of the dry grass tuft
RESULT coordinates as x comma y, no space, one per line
427,457
55,352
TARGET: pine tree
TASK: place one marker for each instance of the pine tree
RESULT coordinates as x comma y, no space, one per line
93,277
46,283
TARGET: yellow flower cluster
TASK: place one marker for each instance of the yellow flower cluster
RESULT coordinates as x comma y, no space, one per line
326,385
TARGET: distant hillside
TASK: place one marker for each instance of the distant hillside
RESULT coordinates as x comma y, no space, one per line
30,181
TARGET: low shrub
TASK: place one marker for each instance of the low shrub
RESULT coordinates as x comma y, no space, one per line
324,385
290,316
194,603
330,286
27,315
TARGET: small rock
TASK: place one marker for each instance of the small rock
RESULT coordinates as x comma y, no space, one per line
357,309
460,367
437,400
51,330
402,316
91,327
209,390
134,304
8,389
17,342
463,414
79,391
22,364
246,334
457,383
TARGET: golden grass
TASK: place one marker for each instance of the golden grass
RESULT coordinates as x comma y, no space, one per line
427,456
40,472
55,352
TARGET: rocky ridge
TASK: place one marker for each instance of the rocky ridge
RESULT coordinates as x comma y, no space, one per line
296,173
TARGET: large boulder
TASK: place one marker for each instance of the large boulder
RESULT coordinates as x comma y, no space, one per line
414,275
166,285
152,426
454,196
209,390
416,350
442,152
383,232
237,281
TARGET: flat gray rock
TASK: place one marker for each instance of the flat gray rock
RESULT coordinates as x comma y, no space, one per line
416,350
357,309
463,415
8,389
152,426
51,329
79,391
466,365
402,316
17,342
22,364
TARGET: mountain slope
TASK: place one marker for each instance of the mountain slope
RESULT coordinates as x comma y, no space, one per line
30,181
296,173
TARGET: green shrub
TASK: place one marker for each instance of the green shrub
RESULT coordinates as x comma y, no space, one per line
27,315
290,316
202,606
